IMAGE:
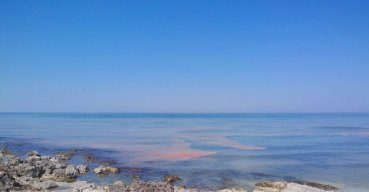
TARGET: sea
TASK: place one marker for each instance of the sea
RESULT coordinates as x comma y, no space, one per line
209,151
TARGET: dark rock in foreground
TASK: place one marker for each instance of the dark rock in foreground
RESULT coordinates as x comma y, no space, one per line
7,182
34,173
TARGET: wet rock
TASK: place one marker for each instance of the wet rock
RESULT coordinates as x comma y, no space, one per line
270,186
294,187
171,179
105,170
71,171
317,185
82,169
290,187
33,153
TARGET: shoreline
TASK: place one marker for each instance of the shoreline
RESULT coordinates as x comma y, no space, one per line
54,173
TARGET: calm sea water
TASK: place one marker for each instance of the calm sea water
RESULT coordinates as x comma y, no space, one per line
207,150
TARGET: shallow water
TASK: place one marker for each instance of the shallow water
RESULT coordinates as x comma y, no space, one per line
207,150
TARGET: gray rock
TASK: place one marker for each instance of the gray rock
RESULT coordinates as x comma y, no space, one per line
102,170
270,186
49,170
33,158
6,181
45,158
151,186
29,170
7,158
82,169
60,166
24,182
83,186
118,186
33,153
44,185
54,159
71,171
58,173
4,152
118,183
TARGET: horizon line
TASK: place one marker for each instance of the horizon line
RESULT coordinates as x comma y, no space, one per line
97,112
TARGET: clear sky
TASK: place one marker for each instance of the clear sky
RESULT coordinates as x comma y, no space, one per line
184,56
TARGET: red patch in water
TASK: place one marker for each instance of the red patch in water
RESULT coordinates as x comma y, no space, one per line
185,155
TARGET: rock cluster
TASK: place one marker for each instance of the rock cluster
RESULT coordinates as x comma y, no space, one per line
44,173
51,173
36,172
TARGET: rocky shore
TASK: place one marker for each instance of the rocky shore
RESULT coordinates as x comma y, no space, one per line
36,172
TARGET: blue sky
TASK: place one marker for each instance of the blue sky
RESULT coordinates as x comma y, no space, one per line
184,56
